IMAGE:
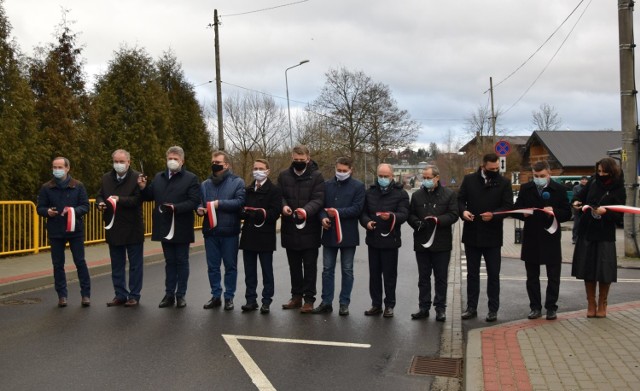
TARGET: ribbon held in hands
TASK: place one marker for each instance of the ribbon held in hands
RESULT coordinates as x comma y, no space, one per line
300,214
433,234
615,208
113,201
393,222
529,211
165,208
337,224
71,218
264,215
211,214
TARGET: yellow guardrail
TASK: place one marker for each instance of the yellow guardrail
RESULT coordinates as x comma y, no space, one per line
23,231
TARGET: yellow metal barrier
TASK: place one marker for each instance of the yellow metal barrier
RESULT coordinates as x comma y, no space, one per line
23,231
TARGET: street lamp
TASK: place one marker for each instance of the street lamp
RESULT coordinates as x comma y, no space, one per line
286,81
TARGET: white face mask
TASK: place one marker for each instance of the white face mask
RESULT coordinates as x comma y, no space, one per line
173,165
260,175
120,168
58,173
341,176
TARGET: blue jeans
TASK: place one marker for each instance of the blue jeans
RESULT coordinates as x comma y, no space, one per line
176,256
329,259
118,276
221,249
76,245
250,259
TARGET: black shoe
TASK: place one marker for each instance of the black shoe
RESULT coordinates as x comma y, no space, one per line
469,313
491,316
214,302
388,312
373,311
249,307
534,314
440,315
551,315
228,305
344,310
322,309
421,314
167,301
265,309
181,302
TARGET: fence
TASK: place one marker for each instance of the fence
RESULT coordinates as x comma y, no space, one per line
23,231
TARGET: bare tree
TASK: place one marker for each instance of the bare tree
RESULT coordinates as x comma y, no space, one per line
546,118
479,126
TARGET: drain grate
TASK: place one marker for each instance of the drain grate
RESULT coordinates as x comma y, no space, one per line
436,366
28,300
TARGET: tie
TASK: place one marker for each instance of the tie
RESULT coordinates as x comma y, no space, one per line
258,185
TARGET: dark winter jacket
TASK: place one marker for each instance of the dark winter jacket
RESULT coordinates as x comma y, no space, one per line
230,195
59,195
394,199
478,197
347,197
183,191
538,245
269,198
595,194
441,202
302,191
128,226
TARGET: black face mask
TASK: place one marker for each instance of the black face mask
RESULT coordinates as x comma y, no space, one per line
491,174
216,168
604,179
299,166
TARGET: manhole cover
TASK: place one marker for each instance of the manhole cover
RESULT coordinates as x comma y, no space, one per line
436,366
28,300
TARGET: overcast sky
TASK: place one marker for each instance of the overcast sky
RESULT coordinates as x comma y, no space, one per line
436,56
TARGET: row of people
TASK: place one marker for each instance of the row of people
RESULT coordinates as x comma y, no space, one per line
318,213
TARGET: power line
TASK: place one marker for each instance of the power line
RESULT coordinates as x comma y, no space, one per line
264,9
263,93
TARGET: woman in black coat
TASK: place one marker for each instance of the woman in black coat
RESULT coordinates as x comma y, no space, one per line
594,257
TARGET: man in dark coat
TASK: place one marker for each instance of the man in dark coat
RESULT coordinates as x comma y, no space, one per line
539,247
63,201
386,208
258,239
343,202
432,208
121,203
176,194
481,194
302,189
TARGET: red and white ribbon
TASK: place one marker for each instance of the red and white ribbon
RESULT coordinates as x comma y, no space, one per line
211,214
71,218
433,234
337,224
393,222
302,214
113,201
173,221
264,215
529,211
616,208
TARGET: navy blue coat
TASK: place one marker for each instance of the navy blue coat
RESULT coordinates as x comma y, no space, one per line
230,195
73,194
347,197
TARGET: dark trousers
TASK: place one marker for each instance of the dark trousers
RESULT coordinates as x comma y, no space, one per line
553,285
576,222
303,268
250,259
76,245
383,264
438,262
176,257
492,261
118,274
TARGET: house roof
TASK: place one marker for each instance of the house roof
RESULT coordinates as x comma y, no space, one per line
515,141
577,148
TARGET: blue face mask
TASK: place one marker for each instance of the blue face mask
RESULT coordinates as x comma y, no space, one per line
428,184
58,173
540,182
384,182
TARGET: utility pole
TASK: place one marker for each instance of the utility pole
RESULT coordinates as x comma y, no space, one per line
629,153
216,22
493,114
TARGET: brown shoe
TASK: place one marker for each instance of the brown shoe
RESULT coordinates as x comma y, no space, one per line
373,311
115,302
86,301
295,302
307,308
131,303
62,302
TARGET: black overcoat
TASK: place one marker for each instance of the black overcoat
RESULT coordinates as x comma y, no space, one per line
442,203
262,238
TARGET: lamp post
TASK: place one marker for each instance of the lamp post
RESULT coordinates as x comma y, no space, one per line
286,81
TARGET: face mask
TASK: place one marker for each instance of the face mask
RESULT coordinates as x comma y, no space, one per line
120,168
216,168
384,182
260,175
604,179
173,165
299,166
341,176
540,182
491,174
58,173
428,184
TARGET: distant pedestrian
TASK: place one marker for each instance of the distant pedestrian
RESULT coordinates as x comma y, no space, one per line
594,257
577,213
63,202
120,201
